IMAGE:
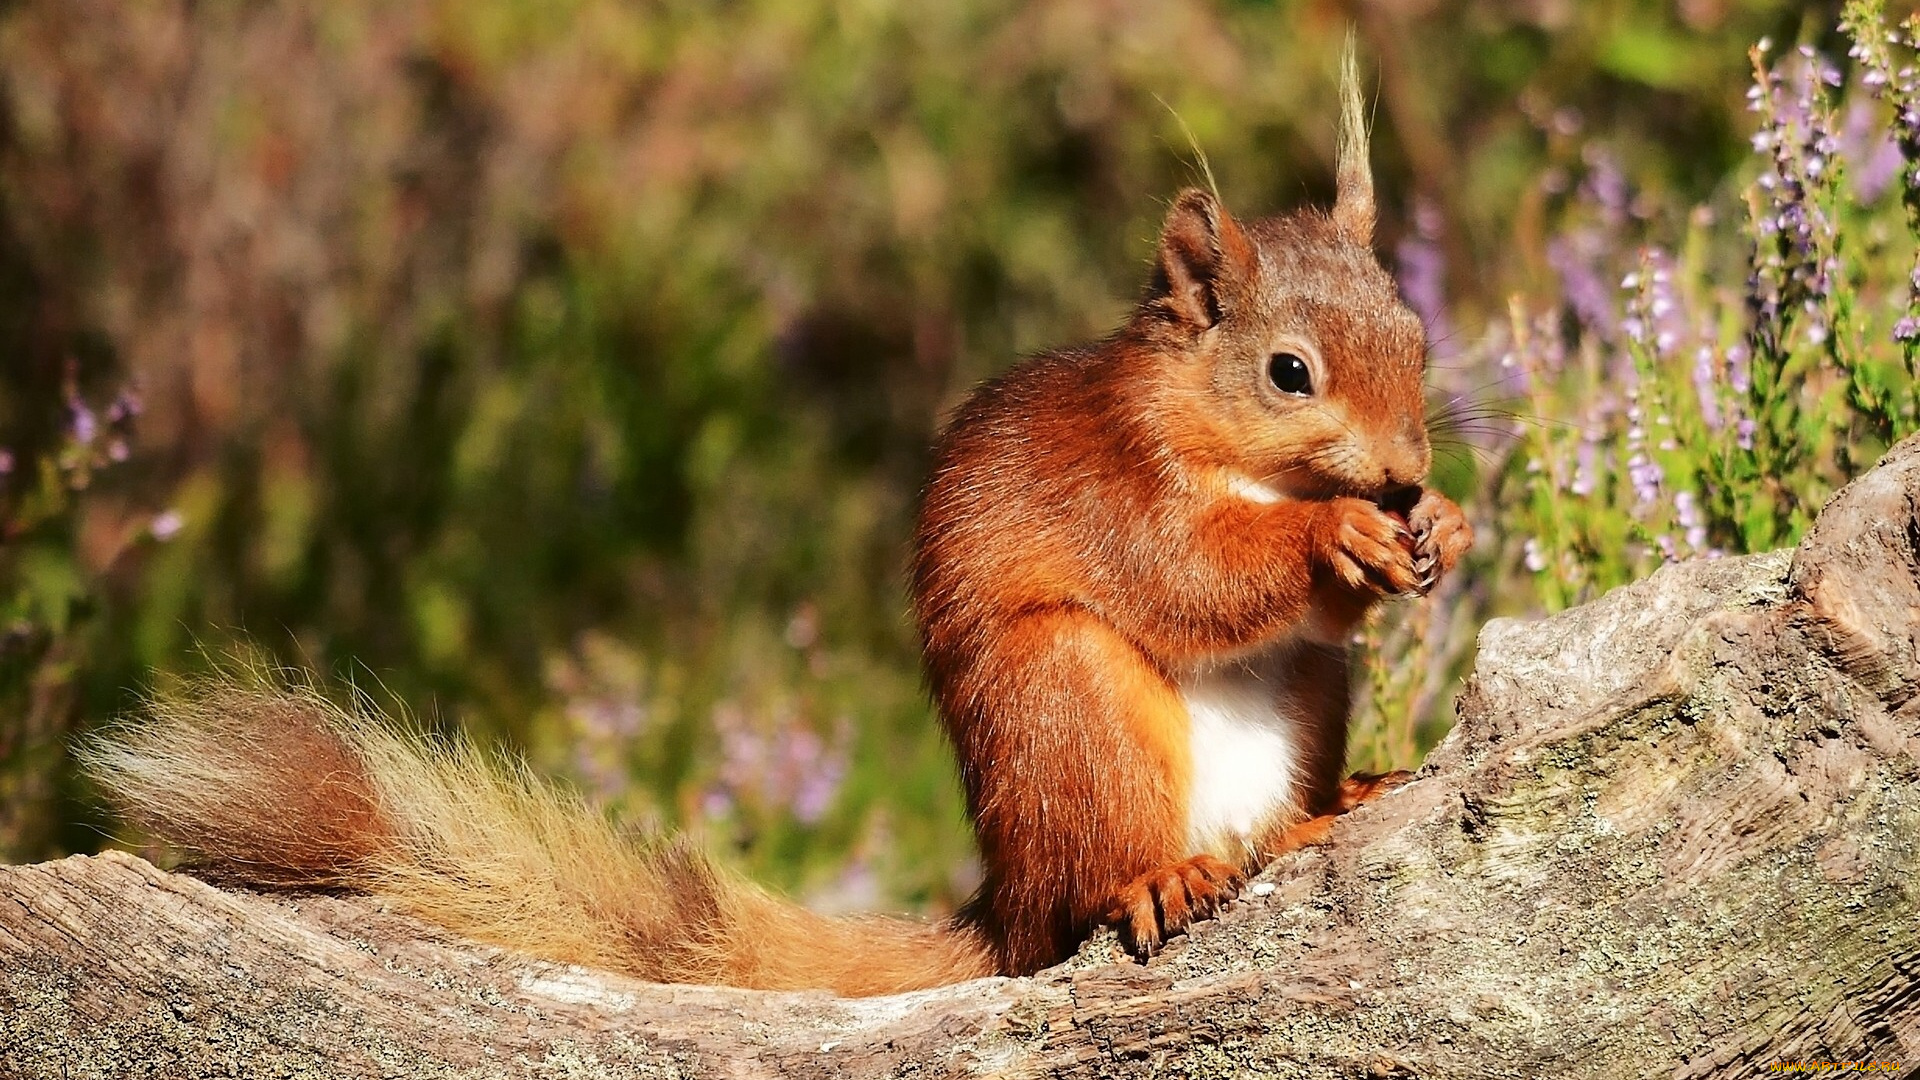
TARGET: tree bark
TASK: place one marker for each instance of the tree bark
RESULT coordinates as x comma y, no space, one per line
1674,832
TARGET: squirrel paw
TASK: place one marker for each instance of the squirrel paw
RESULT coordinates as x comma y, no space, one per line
1440,536
1163,902
1371,549
1365,787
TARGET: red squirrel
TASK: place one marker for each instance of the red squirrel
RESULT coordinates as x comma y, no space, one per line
1138,568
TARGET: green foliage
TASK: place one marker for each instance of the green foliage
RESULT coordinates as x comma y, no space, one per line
1759,362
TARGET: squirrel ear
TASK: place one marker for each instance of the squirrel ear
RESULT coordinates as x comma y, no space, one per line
1353,207
1202,252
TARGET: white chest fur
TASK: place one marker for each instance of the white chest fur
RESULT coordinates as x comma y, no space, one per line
1246,751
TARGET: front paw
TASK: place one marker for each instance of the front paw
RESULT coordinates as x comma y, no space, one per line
1161,903
1369,549
1441,535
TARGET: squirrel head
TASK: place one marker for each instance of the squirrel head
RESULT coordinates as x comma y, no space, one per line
1292,363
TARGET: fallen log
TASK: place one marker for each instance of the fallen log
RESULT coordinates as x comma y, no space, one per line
1673,832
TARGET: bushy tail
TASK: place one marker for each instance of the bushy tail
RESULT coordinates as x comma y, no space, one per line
266,784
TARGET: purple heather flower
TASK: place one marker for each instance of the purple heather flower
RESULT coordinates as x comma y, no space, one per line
166,525
1653,304
1583,470
1576,257
1870,48
790,766
820,774
85,426
1686,511
1643,472
1646,475
1606,186
1535,558
1739,375
1869,149
1793,235
6,462
1423,276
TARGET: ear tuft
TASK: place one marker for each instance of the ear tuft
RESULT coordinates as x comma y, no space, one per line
1353,210
1202,251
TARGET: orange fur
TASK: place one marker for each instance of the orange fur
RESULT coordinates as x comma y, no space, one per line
1283,836
1087,542
270,785
1137,568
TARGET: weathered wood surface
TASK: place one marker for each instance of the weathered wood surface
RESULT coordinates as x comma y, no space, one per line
1674,833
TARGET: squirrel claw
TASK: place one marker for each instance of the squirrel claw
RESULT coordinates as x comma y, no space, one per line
1429,570
1369,549
1161,903
1441,535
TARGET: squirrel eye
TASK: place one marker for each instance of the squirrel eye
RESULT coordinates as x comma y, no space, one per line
1289,374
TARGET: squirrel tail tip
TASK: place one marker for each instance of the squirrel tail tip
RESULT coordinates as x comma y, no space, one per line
265,781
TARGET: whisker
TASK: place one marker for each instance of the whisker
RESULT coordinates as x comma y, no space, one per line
1532,419
1490,416
1476,454
1507,376
1473,398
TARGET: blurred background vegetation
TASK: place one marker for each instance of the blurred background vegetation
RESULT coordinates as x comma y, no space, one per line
566,369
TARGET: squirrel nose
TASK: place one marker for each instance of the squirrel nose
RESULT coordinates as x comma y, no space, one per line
1406,461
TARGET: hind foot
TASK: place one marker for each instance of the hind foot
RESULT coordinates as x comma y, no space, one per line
1163,902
